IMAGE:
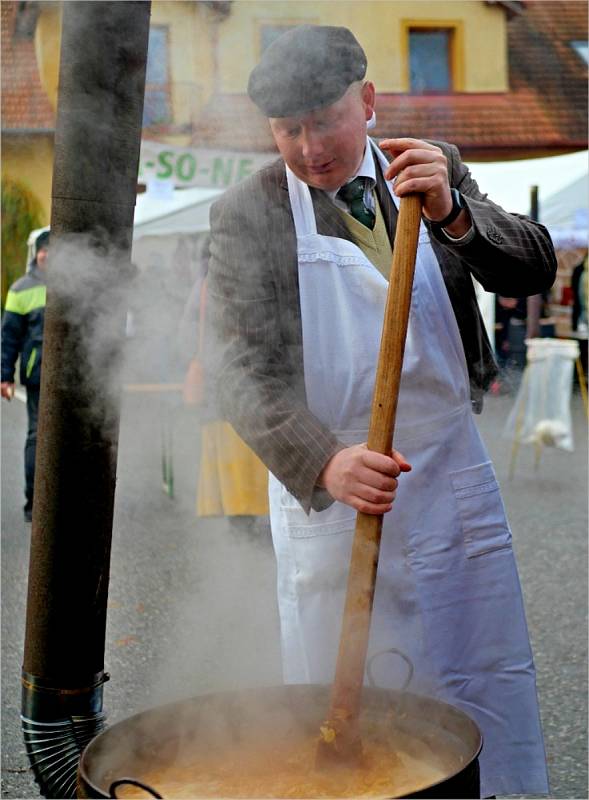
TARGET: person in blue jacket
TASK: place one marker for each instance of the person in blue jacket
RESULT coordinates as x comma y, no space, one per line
22,336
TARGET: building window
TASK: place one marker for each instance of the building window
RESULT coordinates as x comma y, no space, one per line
157,88
430,60
269,33
581,48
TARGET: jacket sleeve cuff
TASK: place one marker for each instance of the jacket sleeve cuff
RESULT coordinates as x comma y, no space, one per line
447,239
457,240
321,499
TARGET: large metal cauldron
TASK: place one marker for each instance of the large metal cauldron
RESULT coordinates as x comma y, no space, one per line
158,738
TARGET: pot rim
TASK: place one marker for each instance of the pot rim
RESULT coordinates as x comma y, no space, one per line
286,689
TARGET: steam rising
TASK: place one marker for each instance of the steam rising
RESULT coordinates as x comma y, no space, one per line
88,282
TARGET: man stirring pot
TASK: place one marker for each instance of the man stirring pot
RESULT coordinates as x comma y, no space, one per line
300,261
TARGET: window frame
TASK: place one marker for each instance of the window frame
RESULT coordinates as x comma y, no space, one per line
455,56
162,87
580,47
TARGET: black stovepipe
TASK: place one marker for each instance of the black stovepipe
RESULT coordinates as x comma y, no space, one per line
97,143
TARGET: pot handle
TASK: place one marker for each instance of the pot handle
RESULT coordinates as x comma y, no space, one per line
112,790
396,652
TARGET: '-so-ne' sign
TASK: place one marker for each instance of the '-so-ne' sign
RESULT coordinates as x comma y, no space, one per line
185,166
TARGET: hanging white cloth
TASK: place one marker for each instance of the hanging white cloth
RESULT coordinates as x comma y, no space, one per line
541,414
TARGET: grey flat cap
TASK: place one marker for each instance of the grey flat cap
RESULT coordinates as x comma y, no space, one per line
308,67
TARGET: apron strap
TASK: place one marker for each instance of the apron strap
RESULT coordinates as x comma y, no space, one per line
301,204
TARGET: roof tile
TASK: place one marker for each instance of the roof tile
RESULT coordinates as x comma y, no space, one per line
545,108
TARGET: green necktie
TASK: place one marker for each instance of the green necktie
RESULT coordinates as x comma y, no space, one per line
353,194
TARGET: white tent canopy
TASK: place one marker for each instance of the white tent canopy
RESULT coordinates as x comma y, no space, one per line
566,214
561,180
508,183
562,201
568,207
563,192
165,211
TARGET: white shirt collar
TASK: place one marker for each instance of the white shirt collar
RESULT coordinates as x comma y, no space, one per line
365,170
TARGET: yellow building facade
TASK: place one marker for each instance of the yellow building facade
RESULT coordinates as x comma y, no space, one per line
479,49
199,49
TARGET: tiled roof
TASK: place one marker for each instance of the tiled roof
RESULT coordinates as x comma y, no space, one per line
545,109
544,65
24,105
520,122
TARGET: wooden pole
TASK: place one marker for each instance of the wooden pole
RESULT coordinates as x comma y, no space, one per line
340,739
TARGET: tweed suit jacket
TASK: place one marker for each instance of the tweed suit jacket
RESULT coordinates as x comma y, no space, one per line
254,314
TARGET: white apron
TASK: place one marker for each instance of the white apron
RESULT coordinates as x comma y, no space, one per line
447,590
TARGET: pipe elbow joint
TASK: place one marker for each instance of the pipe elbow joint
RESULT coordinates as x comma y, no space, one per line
57,725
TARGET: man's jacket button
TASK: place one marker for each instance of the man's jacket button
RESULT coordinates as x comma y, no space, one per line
494,235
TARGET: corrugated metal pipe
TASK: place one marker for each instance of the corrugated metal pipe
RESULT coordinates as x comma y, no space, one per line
97,143
57,725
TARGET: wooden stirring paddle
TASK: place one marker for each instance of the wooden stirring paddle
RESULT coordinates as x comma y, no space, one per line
339,741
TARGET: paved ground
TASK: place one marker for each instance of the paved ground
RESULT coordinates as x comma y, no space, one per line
192,607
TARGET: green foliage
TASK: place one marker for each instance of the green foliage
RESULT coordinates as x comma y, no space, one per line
21,213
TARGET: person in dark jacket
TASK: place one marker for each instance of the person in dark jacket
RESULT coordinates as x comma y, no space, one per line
22,336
